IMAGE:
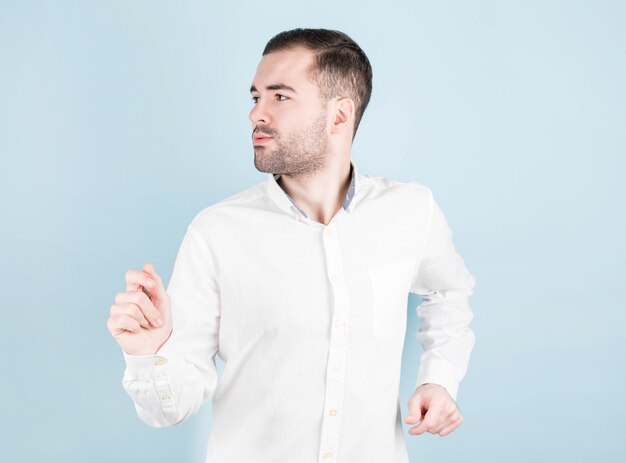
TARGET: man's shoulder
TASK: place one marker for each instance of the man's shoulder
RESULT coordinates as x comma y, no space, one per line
378,185
229,207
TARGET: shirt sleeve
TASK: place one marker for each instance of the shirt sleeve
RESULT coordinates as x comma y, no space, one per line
171,385
444,283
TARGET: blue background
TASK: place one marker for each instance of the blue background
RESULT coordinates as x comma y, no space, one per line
119,121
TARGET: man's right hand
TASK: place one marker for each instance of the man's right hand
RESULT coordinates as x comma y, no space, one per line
141,318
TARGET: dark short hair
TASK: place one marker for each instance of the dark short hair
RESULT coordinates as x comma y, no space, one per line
340,69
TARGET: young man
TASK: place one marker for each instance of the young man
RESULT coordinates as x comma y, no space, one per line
300,284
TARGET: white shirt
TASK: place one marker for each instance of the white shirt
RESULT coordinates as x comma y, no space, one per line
310,321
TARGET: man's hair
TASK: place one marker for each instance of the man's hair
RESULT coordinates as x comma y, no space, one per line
340,69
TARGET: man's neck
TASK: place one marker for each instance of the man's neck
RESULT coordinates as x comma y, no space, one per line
322,195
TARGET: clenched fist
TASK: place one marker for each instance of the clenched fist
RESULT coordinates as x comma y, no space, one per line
432,409
141,318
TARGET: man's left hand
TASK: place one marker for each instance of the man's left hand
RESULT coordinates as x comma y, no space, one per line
433,410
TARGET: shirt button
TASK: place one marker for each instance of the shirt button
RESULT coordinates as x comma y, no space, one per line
339,323
333,412
160,361
336,369
327,455
166,397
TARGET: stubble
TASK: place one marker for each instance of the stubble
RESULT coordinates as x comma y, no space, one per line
300,155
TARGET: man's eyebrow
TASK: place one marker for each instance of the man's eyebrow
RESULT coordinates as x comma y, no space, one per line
275,87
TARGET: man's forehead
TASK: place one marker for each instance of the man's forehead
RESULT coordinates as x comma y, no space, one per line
288,68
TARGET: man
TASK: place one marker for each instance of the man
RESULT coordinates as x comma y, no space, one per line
300,284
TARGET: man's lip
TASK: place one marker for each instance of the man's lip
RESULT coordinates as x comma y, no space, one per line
261,137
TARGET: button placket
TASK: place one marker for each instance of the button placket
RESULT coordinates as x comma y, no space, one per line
337,355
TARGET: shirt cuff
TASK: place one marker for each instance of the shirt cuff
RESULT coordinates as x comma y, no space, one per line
145,366
439,372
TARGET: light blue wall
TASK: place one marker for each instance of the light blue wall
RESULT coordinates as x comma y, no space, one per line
120,120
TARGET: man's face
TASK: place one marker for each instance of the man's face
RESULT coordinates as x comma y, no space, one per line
288,109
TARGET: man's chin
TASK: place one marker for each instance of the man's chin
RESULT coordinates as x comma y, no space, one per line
261,166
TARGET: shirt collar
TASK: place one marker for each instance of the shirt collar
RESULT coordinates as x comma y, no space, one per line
286,203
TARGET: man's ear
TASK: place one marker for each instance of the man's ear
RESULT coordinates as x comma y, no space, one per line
344,115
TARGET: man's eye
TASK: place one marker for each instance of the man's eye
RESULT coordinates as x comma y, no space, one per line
255,99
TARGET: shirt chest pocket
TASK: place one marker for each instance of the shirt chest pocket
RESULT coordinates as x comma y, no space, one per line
390,284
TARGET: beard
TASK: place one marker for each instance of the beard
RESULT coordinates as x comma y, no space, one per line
301,154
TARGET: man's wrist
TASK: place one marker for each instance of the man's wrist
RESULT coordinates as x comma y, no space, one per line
434,384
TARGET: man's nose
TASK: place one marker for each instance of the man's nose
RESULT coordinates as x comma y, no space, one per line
259,114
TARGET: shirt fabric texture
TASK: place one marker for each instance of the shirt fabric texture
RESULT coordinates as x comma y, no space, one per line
310,321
